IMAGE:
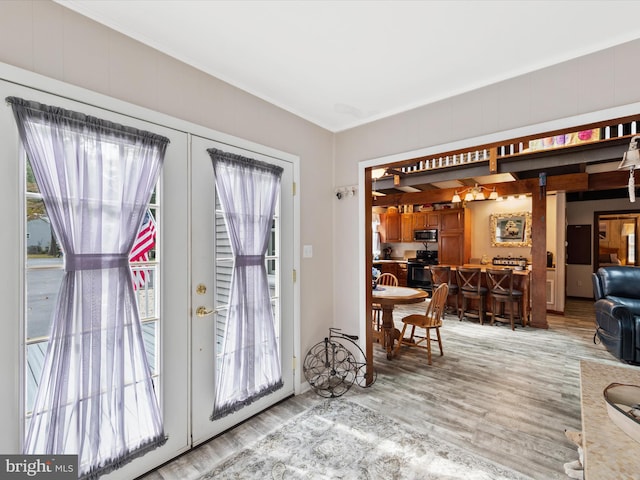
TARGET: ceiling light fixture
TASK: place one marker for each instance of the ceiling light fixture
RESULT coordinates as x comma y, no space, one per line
474,193
631,160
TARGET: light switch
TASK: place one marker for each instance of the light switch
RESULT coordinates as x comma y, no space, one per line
307,251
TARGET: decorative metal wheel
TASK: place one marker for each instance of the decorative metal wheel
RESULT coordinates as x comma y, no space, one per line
361,376
330,368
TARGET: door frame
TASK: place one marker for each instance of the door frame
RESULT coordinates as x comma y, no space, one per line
365,185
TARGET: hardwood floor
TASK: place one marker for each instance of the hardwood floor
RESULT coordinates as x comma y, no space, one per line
506,395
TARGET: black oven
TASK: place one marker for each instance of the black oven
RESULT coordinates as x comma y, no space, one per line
418,273
418,276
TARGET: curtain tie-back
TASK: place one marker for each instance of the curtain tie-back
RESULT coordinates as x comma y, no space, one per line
95,261
248,260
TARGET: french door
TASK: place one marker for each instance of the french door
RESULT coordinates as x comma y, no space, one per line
190,265
212,264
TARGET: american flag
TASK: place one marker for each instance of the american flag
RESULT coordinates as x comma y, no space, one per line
145,241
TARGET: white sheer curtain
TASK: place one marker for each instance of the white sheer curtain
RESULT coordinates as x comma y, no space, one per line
96,396
250,365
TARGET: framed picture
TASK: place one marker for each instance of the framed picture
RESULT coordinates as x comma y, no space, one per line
510,229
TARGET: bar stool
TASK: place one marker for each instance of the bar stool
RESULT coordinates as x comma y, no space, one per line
470,285
442,274
500,283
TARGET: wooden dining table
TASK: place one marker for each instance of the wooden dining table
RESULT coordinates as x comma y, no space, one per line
388,297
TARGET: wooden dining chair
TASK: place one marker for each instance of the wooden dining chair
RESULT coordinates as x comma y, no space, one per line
431,320
376,314
500,282
442,274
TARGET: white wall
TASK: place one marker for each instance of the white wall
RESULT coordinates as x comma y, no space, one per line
554,97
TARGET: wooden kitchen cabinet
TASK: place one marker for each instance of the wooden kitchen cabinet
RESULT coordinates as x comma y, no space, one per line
452,220
420,221
453,227
425,220
454,239
451,249
433,219
406,227
397,269
402,274
387,268
390,226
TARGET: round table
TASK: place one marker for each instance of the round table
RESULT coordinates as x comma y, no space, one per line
388,297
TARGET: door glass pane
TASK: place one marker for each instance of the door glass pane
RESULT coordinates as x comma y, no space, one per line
221,320
44,271
224,271
151,346
43,276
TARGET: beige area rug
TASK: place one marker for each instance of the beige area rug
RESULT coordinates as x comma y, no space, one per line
339,439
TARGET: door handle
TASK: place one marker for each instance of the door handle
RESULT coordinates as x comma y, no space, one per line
203,311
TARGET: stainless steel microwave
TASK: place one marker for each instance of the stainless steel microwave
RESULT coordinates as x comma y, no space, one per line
430,235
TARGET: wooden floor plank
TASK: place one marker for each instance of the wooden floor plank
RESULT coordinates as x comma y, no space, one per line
506,395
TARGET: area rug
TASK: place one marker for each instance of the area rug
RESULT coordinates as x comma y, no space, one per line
339,439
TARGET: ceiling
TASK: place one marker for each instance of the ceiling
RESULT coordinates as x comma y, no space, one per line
340,64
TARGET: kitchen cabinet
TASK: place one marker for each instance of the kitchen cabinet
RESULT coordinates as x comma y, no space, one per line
399,269
433,220
402,274
406,227
387,267
453,225
451,249
454,239
425,220
390,226
420,221
452,220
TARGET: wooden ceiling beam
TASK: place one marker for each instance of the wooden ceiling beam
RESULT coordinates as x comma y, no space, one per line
611,180
574,182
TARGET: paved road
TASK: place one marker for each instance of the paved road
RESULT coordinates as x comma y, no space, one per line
43,283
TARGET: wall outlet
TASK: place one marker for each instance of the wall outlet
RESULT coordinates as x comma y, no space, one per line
579,283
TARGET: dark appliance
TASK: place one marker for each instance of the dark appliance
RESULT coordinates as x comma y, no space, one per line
418,273
549,259
430,236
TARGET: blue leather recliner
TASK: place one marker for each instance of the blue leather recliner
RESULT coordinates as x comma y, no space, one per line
617,294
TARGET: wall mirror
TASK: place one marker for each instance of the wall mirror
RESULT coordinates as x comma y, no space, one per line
510,229
615,238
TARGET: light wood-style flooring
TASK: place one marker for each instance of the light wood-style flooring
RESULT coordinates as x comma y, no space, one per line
506,395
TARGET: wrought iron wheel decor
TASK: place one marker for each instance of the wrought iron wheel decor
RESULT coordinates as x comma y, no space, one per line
331,369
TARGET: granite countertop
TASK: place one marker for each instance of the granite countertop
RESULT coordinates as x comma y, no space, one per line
393,260
608,451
